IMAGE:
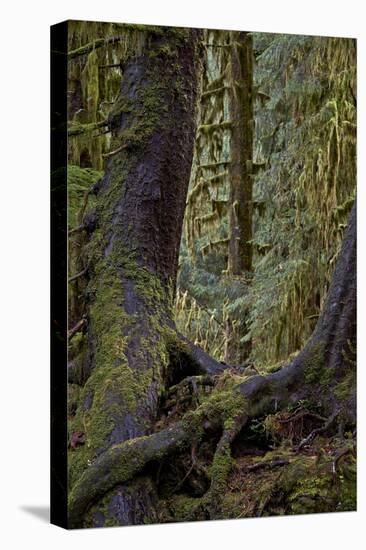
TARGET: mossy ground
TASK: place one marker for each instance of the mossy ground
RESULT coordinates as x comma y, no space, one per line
308,483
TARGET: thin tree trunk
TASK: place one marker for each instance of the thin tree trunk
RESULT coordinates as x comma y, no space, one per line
240,168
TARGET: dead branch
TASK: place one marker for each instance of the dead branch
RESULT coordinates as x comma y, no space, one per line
111,66
87,48
74,277
112,153
77,229
301,414
79,129
201,380
317,431
79,325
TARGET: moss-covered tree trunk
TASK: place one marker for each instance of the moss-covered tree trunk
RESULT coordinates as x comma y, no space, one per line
132,261
240,174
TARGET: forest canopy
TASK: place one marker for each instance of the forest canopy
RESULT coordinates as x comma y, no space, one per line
212,274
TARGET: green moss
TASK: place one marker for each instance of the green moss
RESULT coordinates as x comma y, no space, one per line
308,485
73,398
345,387
115,388
316,371
220,469
184,508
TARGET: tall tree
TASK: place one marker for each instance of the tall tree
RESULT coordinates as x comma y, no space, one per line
241,147
240,174
219,213
132,257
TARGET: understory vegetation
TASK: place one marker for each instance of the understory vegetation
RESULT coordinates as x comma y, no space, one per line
209,379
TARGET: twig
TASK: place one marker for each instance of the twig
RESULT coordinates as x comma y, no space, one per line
77,229
317,431
300,414
194,461
74,277
111,153
79,325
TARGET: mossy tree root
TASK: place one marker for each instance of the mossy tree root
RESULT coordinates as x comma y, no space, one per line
228,411
119,464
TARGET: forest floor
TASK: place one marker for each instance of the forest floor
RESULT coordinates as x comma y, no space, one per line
282,464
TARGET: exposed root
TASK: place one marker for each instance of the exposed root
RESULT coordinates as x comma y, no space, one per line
193,465
206,364
223,462
191,383
119,464
226,409
122,462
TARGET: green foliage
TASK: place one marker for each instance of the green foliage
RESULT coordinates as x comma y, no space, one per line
305,137
303,186
79,182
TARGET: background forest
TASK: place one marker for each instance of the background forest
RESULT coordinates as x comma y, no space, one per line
271,189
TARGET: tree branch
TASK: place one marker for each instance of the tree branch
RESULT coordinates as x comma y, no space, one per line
77,229
79,325
79,129
74,277
112,153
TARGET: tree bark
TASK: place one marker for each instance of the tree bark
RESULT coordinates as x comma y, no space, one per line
240,173
240,169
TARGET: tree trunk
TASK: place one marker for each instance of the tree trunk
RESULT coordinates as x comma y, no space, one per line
240,174
134,352
240,168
